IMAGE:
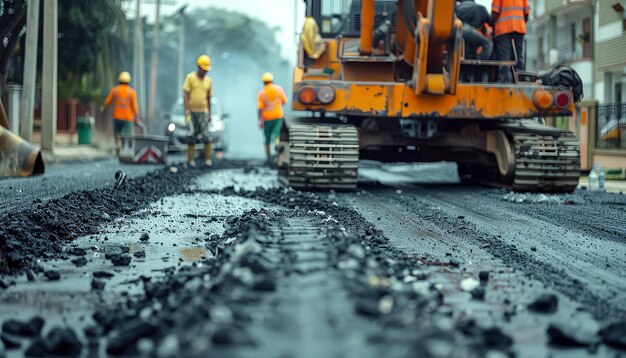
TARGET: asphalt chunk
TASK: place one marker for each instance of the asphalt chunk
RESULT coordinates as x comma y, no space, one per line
615,334
103,274
120,259
97,285
52,275
10,341
30,328
545,303
571,333
79,261
144,237
60,342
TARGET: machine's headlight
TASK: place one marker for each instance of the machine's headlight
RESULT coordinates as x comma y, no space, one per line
171,127
217,125
326,94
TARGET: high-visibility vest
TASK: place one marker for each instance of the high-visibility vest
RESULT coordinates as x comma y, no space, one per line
270,101
124,100
511,15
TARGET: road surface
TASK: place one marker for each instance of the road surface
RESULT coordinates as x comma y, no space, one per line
183,262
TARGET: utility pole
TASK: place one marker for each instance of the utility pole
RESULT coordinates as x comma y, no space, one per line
138,60
153,65
181,52
27,104
50,73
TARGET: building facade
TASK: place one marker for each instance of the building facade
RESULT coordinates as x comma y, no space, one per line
590,36
560,33
610,75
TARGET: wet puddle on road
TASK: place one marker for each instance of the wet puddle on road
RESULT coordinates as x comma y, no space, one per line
244,179
178,228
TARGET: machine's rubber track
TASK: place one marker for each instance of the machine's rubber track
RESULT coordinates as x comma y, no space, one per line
320,157
546,162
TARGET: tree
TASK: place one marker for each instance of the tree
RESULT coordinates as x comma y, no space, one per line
93,45
13,19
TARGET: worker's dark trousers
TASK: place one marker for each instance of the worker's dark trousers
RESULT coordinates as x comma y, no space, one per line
504,52
473,40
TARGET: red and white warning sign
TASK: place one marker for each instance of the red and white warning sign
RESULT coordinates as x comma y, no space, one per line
149,155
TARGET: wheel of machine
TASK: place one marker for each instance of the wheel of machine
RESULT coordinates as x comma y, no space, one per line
546,162
542,158
319,156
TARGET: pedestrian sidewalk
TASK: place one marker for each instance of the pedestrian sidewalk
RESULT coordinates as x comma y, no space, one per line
73,153
611,186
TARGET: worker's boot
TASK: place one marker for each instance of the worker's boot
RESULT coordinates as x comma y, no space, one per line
268,157
207,155
191,154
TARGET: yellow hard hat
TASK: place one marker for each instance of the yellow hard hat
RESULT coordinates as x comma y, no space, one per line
267,77
204,62
124,77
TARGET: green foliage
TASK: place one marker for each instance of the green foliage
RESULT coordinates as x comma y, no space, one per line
93,43
12,21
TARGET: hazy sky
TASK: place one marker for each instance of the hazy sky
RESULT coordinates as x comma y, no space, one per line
278,13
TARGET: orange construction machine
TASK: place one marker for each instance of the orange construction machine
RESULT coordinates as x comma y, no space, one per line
383,81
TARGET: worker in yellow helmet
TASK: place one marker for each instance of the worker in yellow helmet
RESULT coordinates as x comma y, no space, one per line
125,109
270,104
312,42
197,101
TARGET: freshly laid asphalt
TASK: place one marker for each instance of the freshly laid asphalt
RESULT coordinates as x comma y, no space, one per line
225,261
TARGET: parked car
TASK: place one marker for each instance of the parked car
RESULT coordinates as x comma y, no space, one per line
177,129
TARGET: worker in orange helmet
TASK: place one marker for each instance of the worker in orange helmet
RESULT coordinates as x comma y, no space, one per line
509,18
270,102
198,89
125,109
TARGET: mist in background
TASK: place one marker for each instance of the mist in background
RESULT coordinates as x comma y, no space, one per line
237,80
241,48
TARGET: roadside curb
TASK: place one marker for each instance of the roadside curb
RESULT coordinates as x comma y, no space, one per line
75,155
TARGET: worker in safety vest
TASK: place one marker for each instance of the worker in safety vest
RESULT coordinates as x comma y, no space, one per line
197,89
270,104
474,17
509,18
125,109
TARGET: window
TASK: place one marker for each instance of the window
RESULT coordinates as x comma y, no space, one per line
587,45
573,37
541,55
334,16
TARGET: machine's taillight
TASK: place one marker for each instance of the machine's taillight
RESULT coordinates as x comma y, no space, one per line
543,99
326,94
563,100
307,95
322,94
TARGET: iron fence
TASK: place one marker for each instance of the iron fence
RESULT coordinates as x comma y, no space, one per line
611,126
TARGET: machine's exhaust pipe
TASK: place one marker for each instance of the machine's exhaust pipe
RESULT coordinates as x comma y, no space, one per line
18,157
367,26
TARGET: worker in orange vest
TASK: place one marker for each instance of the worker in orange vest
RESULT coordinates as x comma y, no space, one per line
509,18
270,104
125,109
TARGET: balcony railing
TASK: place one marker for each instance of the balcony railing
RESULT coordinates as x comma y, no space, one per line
611,126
